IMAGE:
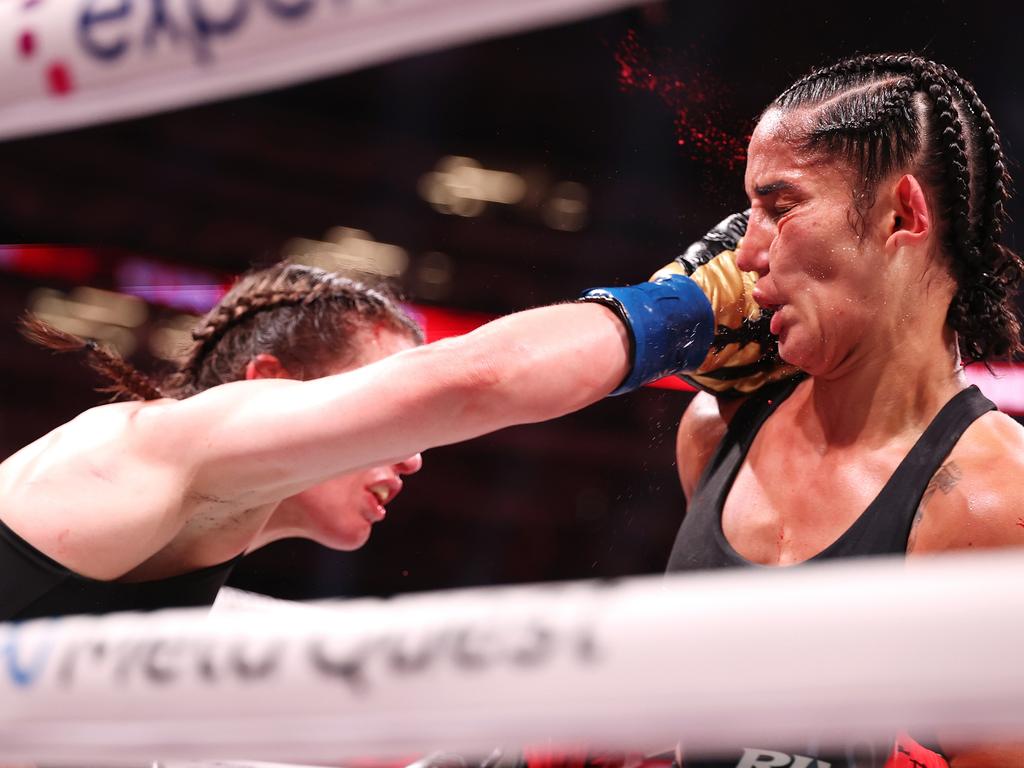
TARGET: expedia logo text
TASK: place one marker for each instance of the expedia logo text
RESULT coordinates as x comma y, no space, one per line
110,29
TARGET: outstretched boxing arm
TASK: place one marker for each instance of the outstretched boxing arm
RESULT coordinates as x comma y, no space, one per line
116,485
262,440
135,473
695,315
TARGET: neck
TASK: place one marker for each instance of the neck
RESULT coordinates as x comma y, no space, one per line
212,535
883,390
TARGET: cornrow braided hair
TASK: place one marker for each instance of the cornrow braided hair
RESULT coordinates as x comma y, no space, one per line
306,317
886,112
125,381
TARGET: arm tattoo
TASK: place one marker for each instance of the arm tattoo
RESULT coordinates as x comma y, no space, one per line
944,480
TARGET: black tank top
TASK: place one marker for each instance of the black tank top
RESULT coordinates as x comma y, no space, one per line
882,529
33,585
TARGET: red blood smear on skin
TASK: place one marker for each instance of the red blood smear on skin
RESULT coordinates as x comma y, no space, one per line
59,78
699,102
1020,522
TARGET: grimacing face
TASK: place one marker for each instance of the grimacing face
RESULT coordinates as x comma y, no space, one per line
826,283
340,512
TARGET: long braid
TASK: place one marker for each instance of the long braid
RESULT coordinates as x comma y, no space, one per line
988,271
997,177
949,135
126,381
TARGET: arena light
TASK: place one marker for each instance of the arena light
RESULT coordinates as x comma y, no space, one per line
170,337
347,250
434,273
169,285
92,313
462,186
108,307
77,264
566,208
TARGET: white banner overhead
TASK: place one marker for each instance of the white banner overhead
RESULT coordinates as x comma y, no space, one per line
70,63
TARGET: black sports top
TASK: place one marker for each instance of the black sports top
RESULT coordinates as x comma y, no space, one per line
884,526
33,585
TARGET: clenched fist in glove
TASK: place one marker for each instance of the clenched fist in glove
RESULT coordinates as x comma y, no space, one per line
697,318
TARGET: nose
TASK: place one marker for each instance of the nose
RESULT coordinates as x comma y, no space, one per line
752,252
410,465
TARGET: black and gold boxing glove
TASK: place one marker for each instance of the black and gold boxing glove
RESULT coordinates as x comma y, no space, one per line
744,355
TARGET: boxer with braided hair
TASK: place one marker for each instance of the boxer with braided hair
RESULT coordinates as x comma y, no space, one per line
878,189
146,504
291,313
121,509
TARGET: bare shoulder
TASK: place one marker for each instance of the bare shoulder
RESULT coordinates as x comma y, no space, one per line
80,492
701,429
976,499
82,440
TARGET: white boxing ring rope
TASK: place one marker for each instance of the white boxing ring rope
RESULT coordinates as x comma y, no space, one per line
842,653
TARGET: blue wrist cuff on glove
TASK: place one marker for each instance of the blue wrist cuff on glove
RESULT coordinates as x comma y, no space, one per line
670,322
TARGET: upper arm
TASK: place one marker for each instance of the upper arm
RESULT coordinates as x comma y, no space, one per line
975,499
701,429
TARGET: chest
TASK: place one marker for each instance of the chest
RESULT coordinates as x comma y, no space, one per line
789,502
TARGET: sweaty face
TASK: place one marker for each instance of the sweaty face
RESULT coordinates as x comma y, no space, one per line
824,281
340,512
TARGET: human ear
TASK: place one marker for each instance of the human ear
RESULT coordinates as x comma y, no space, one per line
265,366
910,217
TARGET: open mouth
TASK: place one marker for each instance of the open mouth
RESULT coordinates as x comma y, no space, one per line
374,511
381,492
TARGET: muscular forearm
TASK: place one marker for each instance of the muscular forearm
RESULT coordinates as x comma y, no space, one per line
540,364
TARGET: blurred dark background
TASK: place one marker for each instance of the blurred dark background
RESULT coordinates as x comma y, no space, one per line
606,194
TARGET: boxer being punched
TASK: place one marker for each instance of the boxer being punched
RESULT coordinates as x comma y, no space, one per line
877,188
